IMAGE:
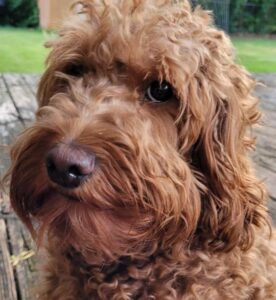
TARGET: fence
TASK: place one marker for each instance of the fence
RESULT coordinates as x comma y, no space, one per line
220,8
53,12
253,18
242,16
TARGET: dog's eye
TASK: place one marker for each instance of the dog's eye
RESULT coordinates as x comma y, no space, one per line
75,70
159,91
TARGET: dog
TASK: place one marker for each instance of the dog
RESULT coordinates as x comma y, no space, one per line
136,175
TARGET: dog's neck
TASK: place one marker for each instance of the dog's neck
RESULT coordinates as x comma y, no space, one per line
160,274
111,268
125,270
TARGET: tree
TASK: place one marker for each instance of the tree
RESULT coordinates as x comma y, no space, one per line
19,13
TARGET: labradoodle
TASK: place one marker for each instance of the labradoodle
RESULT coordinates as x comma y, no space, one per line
136,175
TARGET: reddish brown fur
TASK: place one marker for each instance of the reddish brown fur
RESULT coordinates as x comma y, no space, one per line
173,210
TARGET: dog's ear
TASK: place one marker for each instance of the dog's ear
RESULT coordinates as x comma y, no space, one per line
232,203
218,110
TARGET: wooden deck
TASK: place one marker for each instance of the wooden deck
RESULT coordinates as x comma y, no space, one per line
17,262
17,106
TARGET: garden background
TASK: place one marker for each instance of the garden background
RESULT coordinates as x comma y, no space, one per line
251,24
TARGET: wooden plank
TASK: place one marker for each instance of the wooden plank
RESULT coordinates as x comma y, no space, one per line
265,157
14,87
31,81
8,133
17,105
22,97
10,125
13,78
7,282
8,112
5,207
267,78
23,258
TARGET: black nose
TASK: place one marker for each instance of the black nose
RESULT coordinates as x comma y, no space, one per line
69,165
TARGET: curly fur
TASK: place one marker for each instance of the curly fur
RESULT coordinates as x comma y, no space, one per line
173,210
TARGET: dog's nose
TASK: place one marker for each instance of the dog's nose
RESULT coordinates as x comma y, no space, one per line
69,165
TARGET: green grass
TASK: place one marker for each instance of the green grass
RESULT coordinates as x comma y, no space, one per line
21,50
258,55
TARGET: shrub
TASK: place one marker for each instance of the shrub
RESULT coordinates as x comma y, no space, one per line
19,13
254,16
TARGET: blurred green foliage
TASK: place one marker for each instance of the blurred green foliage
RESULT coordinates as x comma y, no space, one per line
253,16
19,13
248,16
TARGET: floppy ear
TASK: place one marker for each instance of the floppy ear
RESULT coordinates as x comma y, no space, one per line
232,204
218,110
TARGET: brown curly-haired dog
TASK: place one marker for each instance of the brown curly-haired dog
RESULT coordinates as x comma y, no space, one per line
136,173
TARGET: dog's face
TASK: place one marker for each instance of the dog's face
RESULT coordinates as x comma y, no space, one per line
139,142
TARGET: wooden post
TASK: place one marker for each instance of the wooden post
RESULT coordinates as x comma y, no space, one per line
52,13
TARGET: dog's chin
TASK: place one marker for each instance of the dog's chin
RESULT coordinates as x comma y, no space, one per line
49,196
97,233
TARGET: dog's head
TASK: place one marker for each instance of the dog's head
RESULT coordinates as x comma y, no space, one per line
140,140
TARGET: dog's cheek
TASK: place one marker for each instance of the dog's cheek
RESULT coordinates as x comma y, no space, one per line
171,190
27,174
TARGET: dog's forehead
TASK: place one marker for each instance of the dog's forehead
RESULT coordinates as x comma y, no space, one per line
155,42
137,33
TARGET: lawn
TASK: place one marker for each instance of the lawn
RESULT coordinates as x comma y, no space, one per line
21,50
257,54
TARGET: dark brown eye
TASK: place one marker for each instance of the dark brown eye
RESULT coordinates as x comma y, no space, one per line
75,70
120,66
159,92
